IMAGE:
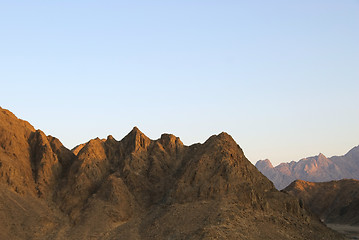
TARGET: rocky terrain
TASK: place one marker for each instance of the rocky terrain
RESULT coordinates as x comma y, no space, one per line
334,201
315,169
139,188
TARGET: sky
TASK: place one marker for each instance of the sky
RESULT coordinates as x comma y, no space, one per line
281,77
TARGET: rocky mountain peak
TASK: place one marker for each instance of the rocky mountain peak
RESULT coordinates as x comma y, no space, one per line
110,138
136,140
222,141
92,150
9,120
170,140
222,137
266,163
353,153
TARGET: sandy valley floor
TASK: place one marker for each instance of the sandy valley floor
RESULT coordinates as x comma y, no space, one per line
351,232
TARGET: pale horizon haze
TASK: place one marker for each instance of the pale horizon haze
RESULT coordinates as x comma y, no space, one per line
281,77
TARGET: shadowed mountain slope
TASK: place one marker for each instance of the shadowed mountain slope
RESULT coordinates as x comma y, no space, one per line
334,201
139,188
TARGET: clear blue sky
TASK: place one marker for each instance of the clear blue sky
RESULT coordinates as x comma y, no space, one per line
282,77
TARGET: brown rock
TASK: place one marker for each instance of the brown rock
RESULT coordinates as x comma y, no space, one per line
334,201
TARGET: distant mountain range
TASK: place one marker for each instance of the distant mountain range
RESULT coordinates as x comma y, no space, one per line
314,169
140,189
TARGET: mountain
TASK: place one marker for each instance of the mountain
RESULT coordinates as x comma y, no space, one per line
315,169
139,188
333,202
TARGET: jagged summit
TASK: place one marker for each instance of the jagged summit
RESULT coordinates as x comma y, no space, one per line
266,163
138,188
170,140
136,139
135,131
110,138
223,136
